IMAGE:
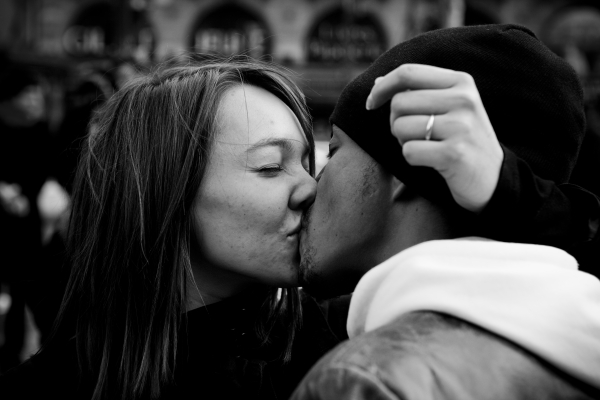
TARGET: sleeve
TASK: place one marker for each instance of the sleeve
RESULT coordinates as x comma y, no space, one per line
342,383
526,208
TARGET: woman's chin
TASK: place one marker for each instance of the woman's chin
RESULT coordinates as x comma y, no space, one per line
287,277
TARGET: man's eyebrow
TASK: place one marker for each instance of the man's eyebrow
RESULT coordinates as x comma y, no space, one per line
284,144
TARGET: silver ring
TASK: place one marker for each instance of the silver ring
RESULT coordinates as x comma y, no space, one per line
429,127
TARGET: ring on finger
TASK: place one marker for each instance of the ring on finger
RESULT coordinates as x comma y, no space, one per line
429,127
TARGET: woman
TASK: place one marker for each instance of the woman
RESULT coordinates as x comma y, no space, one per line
186,213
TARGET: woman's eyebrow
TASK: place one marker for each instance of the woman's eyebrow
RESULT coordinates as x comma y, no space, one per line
283,144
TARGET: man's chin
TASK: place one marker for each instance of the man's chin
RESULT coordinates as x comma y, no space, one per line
326,286
320,279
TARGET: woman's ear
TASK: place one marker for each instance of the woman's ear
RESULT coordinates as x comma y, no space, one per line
398,189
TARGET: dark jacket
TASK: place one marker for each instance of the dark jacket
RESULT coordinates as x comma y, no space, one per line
219,356
528,209
431,356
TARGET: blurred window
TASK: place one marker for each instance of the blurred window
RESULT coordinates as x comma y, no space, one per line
341,37
92,32
231,29
95,32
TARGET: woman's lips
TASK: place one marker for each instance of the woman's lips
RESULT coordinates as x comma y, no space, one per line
295,231
294,236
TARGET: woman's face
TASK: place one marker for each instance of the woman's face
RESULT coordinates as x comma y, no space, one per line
256,187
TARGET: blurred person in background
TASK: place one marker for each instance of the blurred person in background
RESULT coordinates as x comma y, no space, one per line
86,91
24,164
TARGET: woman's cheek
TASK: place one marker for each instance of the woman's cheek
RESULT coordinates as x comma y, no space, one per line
266,202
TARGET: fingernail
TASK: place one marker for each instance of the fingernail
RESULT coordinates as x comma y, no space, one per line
369,102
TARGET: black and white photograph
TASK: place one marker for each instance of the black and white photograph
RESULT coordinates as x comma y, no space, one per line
300,199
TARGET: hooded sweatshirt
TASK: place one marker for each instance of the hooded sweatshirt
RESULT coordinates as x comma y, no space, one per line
531,295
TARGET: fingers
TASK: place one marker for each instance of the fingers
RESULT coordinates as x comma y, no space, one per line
420,153
412,77
454,110
428,102
414,127
422,102
463,146
442,156
445,127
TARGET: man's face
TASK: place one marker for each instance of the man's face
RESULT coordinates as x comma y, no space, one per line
343,231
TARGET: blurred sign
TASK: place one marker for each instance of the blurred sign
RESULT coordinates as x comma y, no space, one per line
341,37
428,15
85,40
231,30
94,34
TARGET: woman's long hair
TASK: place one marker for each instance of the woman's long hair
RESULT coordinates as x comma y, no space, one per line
129,236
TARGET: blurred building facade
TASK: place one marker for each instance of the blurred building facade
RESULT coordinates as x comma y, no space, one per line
327,42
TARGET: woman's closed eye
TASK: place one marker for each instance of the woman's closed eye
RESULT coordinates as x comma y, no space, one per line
269,169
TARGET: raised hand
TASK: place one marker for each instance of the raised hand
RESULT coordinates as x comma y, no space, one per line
460,143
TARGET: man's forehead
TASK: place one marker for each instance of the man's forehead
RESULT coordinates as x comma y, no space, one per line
355,155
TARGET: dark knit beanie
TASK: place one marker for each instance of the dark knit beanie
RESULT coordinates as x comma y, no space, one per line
533,98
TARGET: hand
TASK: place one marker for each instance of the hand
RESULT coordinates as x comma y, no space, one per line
463,148
53,205
12,201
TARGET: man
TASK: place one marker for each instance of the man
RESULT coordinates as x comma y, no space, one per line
439,318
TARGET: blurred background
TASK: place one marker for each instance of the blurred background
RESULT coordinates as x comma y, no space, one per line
59,59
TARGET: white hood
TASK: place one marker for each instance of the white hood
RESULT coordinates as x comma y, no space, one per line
532,295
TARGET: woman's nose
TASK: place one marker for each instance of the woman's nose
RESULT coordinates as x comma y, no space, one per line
304,193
